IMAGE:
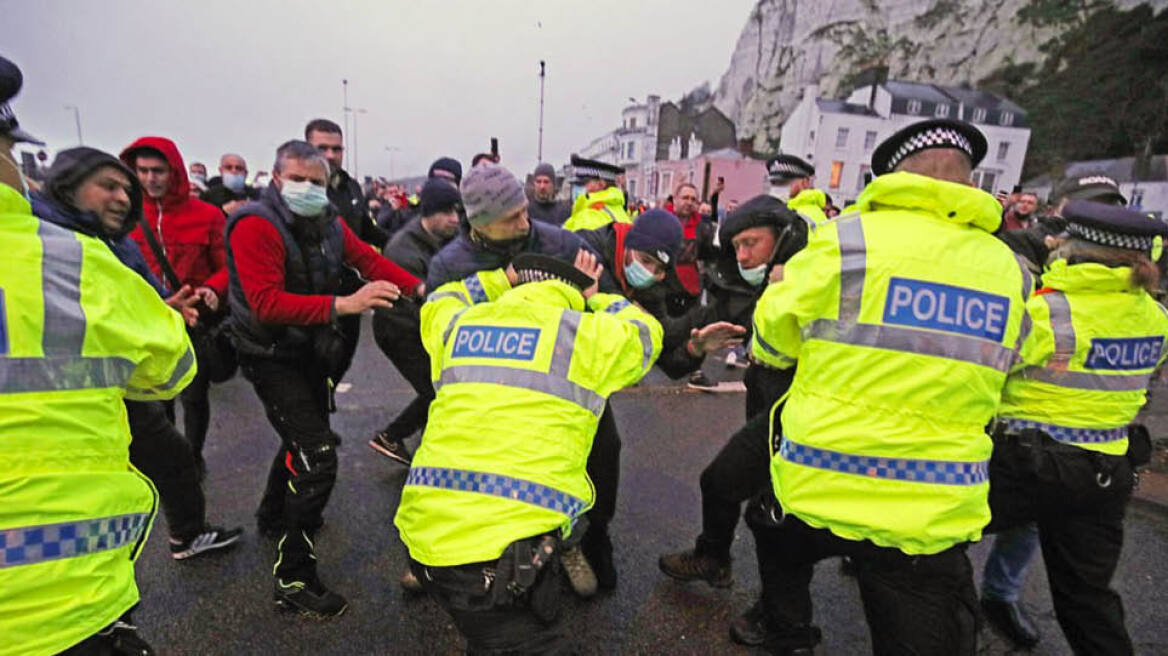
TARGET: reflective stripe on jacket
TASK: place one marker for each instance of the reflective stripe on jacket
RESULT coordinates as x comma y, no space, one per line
905,319
596,210
521,383
1096,340
78,332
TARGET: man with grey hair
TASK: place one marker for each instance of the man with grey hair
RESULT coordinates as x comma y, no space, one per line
229,190
285,254
542,204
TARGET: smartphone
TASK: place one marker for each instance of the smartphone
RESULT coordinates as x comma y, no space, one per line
495,148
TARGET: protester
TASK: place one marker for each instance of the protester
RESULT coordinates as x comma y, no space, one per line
541,202
229,190
189,238
285,254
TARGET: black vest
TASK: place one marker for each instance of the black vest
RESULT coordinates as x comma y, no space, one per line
313,262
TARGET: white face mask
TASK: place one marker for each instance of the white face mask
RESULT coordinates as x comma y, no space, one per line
782,192
753,276
304,198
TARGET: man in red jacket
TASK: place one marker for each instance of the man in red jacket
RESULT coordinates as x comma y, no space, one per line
190,233
285,254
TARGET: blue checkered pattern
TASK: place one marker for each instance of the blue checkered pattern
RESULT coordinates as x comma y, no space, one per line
37,544
617,306
1068,434
475,287
941,472
499,486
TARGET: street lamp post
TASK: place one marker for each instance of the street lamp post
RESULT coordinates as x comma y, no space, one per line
391,150
353,163
77,120
345,118
542,75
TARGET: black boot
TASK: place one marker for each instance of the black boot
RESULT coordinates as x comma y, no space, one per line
309,598
597,548
1009,619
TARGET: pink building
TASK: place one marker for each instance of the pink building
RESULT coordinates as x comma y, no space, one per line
745,177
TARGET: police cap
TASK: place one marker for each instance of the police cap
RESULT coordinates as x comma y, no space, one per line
1098,188
533,267
1111,225
788,167
10,83
934,133
589,169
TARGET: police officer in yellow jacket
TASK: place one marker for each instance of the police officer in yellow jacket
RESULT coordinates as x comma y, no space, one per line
485,520
603,201
75,513
904,318
793,182
1062,455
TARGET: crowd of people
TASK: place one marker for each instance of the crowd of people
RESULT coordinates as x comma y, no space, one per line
924,366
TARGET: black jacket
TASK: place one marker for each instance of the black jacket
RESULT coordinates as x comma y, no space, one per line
412,248
345,193
555,212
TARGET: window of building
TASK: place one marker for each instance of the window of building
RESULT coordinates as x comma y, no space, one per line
667,182
841,138
837,173
978,115
862,180
633,188
869,140
1003,150
985,180
632,150
812,137
633,122
1006,119
1137,199
942,110
913,107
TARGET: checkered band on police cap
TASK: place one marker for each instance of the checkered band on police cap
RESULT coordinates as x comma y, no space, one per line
935,137
1108,238
594,172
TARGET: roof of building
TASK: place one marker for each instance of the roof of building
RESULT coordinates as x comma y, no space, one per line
842,107
936,93
1121,170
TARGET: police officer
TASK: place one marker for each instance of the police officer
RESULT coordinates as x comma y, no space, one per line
535,351
602,202
1013,549
75,513
11,133
792,182
904,319
1062,455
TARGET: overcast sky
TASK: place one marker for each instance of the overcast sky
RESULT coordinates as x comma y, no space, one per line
437,78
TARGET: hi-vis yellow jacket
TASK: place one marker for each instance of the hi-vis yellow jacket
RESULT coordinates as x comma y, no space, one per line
1095,342
522,376
78,332
905,319
597,210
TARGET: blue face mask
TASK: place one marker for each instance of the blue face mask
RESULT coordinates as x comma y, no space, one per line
753,276
638,276
304,198
234,181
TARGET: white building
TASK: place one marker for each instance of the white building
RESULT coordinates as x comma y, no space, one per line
633,145
838,136
1146,190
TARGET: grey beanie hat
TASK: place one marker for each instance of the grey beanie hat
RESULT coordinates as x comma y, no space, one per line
490,192
545,169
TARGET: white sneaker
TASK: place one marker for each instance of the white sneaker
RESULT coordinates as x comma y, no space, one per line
580,574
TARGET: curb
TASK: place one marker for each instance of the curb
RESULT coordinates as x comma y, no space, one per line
1152,502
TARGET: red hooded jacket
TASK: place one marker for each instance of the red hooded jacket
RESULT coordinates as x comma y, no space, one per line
189,230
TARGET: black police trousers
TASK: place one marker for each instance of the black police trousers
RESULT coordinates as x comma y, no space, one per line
304,471
401,342
160,452
489,625
742,467
1078,499
603,468
913,604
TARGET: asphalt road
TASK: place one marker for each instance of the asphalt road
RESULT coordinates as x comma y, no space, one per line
221,603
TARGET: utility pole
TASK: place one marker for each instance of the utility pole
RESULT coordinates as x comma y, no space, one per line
391,150
345,111
353,165
77,119
542,75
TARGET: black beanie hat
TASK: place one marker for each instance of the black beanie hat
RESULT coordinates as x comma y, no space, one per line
656,232
757,212
448,164
73,165
533,267
439,195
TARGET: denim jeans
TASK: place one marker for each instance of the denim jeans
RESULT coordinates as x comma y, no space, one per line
1005,569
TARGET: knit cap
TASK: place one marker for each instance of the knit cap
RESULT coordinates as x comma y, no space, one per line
490,192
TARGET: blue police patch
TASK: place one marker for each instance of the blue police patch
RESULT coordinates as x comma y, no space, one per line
944,307
1124,353
495,342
